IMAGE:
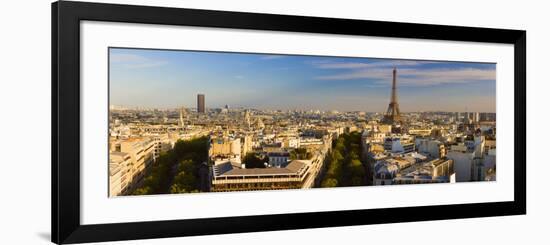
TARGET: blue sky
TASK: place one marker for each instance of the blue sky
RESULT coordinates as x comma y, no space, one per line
169,79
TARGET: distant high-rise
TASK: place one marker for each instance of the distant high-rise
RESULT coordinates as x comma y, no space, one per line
200,103
392,114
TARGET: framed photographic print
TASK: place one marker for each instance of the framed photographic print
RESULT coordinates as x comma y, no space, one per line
176,122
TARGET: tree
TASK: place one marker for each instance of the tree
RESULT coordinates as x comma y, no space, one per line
251,160
300,153
344,167
330,182
176,188
185,158
335,169
357,173
142,191
356,181
185,180
186,166
152,181
337,156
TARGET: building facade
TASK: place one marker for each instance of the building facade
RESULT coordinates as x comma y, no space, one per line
228,177
129,160
201,107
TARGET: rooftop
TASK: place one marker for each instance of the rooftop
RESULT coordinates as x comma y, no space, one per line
278,154
117,156
226,169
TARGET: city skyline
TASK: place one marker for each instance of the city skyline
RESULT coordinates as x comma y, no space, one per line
170,79
275,148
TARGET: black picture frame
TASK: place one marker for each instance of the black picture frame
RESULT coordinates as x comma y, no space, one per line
65,200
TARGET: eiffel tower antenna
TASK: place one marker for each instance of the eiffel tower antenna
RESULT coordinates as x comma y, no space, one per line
392,114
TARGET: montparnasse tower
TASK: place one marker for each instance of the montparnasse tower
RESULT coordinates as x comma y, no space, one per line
392,114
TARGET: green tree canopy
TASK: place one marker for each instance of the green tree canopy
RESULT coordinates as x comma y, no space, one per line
344,167
251,160
300,154
177,170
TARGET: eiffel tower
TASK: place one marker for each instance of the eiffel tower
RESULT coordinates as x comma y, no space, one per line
392,114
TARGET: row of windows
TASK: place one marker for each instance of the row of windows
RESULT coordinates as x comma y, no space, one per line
256,186
257,177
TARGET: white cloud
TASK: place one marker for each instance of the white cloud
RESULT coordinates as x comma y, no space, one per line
121,58
132,61
417,77
323,64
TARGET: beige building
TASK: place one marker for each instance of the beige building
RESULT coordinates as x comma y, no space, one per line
384,128
420,132
163,143
435,171
120,164
430,147
246,145
138,156
225,146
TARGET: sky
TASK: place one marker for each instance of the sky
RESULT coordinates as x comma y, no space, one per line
169,79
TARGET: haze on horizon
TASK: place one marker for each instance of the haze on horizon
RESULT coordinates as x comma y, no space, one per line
169,79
